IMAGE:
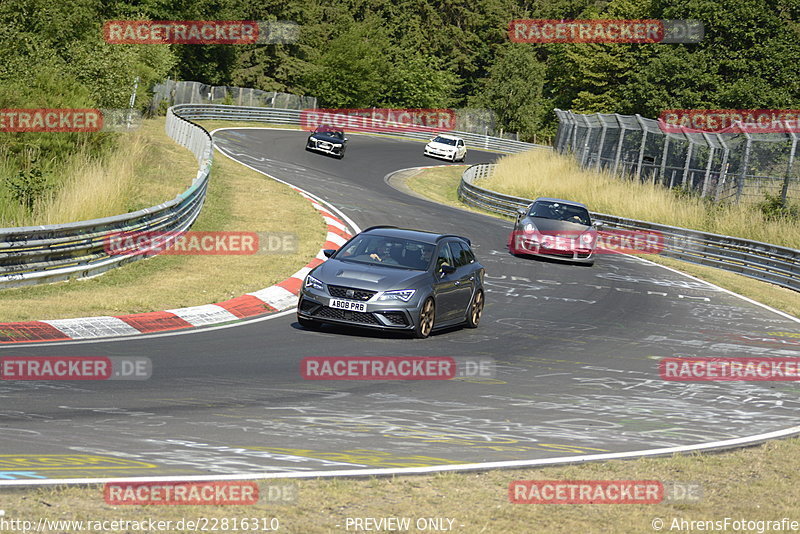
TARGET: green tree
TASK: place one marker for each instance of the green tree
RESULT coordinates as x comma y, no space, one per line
514,90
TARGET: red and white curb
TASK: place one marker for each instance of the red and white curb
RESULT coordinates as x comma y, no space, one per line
279,297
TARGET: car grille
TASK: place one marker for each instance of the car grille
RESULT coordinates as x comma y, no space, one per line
345,315
340,292
396,317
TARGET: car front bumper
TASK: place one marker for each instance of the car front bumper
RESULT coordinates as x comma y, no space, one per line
390,315
439,153
534,247
325,147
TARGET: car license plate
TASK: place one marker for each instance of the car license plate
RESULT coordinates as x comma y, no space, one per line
348,305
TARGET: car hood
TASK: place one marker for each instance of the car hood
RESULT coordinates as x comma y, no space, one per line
552,225
328,138
373,277
441,146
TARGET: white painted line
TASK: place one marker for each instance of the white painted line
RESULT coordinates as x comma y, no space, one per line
751,301
483,466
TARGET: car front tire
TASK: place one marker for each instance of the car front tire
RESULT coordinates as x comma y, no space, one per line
426,317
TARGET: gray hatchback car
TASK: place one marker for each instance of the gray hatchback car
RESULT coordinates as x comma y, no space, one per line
396,279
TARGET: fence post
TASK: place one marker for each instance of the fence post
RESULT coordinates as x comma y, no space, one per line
575,130
585,151
663,175
688,160
711,150
602,141
745,163
618,154
641,146
785,188
723,167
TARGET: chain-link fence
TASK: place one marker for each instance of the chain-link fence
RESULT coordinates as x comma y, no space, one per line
173,93
721,166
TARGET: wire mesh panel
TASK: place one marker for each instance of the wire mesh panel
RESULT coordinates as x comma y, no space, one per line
731,165
175,93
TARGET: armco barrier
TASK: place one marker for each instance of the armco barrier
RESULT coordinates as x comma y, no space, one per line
762,261
292,116
44,254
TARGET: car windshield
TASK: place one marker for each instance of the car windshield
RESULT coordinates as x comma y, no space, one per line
388,251
560,212
444,140
330,133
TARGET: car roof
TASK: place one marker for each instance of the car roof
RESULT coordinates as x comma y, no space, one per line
448,136
560,201
407,233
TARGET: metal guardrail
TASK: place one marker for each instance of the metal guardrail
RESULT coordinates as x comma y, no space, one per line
292,116
762,261
43,254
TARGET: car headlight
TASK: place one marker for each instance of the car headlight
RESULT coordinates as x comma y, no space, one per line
587,238
529,228
313,283
399,294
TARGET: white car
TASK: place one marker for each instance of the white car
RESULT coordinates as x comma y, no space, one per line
446,147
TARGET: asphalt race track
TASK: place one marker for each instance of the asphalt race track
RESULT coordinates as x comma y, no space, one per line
577,351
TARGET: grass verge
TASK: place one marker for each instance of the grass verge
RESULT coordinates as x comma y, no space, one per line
238,199
752,484
544,173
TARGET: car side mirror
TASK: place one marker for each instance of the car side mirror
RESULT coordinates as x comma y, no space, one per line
328,252
446,268
521,212
345,139
598,224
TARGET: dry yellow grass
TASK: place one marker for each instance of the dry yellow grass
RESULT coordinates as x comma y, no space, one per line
545,173
95,187
237,200
751,484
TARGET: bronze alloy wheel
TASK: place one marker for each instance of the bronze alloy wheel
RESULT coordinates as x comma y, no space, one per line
475,310
426,316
